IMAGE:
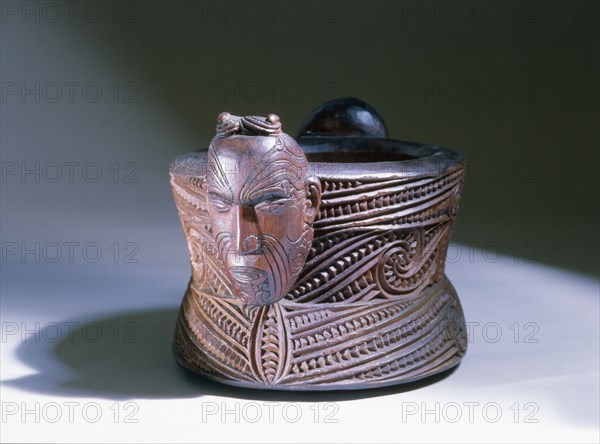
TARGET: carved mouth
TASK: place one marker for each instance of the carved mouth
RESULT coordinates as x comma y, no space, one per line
252,284
247,275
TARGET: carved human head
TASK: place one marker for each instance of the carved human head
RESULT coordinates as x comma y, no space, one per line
262,201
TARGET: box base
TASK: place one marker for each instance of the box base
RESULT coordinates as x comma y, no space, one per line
316,347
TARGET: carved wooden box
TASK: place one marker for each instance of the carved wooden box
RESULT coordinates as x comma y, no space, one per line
318,263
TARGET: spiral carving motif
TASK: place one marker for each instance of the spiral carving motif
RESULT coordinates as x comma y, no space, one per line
398,264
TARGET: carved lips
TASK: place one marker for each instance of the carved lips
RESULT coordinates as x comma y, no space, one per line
252,282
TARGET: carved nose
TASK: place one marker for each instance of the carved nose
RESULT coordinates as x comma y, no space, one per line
246,235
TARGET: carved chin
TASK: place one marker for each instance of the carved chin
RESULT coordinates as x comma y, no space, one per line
252,285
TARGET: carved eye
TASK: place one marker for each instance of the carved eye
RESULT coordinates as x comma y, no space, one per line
272,203
219,204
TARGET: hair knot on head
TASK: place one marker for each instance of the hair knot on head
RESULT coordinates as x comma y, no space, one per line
230,125
227,125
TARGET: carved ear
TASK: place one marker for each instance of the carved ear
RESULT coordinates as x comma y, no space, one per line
313,196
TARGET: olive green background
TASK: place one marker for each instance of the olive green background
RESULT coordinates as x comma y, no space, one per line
512,85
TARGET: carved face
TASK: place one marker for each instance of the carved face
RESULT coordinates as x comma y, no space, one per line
262,203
